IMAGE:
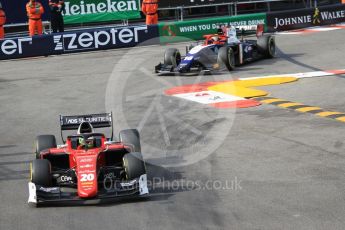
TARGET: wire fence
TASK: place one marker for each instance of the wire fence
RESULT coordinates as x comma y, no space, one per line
179,10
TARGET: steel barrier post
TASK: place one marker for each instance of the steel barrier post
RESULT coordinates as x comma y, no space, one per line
231,10
182,13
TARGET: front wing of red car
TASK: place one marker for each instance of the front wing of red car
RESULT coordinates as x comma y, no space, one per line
50,195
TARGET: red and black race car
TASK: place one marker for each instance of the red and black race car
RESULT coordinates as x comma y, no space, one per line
88,167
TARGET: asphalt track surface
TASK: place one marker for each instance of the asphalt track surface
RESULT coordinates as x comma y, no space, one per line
286,168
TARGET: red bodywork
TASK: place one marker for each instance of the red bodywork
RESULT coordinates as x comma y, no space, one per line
86,163
221,39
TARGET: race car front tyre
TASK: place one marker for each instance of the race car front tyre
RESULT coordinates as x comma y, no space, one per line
40,172
44,142
267,46
134,165
131,137
226,57
172,57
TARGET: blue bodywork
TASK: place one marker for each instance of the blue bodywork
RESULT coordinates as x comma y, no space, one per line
207,55
201,57
195,54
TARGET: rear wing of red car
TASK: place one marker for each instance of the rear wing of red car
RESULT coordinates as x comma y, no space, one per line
101,120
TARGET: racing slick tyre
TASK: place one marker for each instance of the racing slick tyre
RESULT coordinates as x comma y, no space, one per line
40,172
172,57
267,46
131,137
44,142
134,165
226,57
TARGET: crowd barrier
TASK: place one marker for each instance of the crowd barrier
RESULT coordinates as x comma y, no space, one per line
196,3
120,37
78,41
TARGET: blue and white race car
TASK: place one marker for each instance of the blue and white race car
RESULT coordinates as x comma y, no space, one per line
216,53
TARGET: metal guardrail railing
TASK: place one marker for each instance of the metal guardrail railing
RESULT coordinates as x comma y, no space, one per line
220,4
179,15
309,3
231,5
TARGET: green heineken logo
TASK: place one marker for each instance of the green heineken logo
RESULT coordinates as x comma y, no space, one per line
83,11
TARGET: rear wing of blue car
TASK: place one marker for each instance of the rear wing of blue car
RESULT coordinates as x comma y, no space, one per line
251,30
101,120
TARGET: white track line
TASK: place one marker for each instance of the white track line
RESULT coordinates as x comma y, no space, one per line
300,75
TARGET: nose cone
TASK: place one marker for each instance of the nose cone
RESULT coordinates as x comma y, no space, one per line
87,176
185,64
182,68
87,194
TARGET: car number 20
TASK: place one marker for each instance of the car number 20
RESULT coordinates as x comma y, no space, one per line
87,177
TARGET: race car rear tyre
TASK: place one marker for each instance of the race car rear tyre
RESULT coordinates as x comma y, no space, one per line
172,57
134,165
267,46
226,56
40,170
131,137
44,142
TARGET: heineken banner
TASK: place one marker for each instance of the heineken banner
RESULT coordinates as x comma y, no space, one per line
83,11
195,29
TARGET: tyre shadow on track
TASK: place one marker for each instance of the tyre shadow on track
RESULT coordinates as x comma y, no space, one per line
7,146
158,177
243,67
12,169
8,174
163,180
292,58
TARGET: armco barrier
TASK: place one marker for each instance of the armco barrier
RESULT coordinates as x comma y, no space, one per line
179,3
79,41
297,19
195,29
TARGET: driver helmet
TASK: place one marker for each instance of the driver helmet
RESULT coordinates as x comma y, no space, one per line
85,127
215,38
89,142
232,31
232,35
